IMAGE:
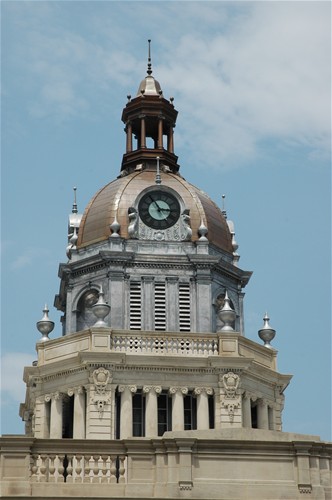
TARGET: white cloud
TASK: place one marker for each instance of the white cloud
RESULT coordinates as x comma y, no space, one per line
246,73
30,255
12,385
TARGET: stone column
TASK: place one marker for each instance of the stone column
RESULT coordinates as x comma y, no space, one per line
262,415
246,410
143,136
70,313
56,416
151,410
126,411
160,133
79,412
170,144
202,393
129,145
271,416
178,407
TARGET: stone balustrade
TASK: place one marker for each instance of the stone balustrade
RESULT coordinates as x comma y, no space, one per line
222,344
77,468
188,345
291,464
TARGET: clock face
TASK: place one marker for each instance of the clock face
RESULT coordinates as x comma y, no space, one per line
159,209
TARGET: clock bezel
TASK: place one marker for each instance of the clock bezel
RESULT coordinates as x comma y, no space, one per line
164,196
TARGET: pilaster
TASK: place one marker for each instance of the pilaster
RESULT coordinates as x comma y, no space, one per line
151,410
178,407
126,410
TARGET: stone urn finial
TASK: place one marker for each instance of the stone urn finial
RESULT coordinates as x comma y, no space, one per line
101,310
227,315
267,333
45,325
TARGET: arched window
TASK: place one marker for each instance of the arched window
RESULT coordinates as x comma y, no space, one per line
85,316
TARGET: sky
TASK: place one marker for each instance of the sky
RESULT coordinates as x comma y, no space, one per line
251,82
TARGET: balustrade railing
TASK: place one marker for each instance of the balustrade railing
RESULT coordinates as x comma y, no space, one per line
165,344
77,468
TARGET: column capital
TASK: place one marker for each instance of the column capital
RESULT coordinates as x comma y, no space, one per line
152,388
174,390
199,390
131,388
75,390
55,396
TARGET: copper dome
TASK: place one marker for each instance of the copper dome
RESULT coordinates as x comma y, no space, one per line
114,199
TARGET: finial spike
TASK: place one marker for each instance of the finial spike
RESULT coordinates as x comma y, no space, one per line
149,70
158,177
74,210
223,206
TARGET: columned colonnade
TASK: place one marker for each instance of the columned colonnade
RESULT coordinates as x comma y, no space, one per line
141,140
256,412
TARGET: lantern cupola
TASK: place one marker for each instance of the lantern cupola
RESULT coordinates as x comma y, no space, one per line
149,121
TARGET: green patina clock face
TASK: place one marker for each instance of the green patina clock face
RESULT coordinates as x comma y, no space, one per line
159,209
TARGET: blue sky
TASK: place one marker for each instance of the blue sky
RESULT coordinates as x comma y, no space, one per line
251,82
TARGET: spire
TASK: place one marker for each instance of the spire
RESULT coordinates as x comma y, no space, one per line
223,206
149,70
74,209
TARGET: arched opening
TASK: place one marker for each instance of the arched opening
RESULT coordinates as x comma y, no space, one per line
85,316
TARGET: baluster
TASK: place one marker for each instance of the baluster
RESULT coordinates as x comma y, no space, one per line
122,469
51,469
112,469
95,478
143,345
86,478
34,468
42,468
78,469
61,469
104,469
69,478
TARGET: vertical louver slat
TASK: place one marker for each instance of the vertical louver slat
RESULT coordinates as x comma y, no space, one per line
135,315
184,307
160,306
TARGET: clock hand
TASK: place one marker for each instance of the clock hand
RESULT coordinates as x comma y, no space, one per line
154,201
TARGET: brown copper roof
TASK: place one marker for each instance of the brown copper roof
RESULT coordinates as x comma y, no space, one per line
113,201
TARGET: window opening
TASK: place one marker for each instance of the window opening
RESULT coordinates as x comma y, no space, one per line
48,417
184,307
135,306
117,414
67,417
85,317
160,306
211,411
254,423
190,412
164,413
139,414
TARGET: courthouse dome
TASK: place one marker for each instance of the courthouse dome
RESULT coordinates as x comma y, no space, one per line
113,200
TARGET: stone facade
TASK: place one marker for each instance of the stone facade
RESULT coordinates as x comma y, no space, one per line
153,390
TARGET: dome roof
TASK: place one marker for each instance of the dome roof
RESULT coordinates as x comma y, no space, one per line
114,199
149,86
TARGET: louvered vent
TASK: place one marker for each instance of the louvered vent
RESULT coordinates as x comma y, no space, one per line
184,307
160,306
135,315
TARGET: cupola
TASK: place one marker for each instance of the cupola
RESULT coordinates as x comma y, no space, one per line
149,120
